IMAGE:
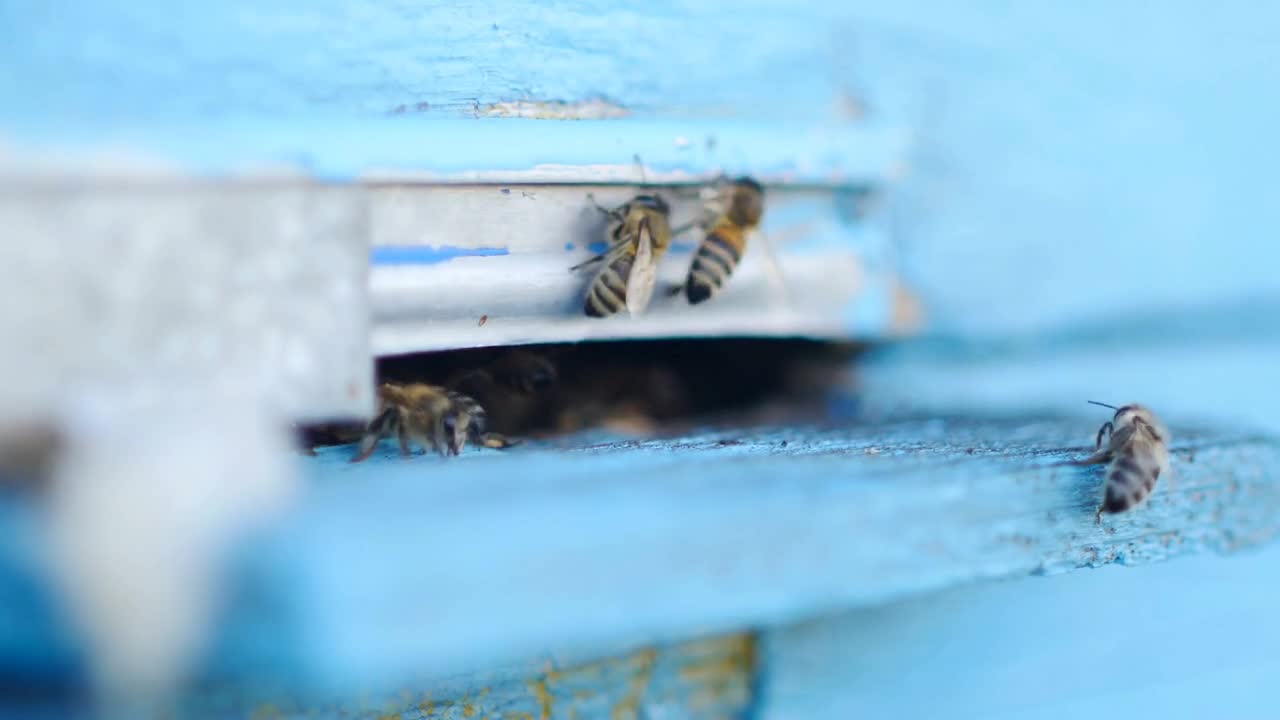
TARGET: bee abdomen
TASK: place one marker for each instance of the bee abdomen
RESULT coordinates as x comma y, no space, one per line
713,263
1130,480
608,293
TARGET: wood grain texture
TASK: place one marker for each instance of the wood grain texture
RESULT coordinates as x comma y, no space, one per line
345,57
1033,154
342,89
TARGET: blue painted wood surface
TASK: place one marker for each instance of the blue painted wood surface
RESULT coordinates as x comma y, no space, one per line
588,547
1077,166
300,60
1195,638
1059,152
346,89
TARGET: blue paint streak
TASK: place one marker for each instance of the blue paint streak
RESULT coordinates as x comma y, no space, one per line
428,255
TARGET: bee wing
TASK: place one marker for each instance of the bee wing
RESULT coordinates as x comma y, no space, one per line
772,266
644,273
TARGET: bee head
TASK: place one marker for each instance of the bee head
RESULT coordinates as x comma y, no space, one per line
747,203
1138,415
749,183
456,425
652,202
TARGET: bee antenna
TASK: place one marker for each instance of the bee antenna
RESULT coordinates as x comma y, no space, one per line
640,164
1095,402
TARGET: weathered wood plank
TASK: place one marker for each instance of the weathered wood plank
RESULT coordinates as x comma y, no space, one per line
595,547
451,266
740,529
444,257
306,59
1030,166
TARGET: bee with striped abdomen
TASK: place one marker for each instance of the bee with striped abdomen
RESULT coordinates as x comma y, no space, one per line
735,213
639,233
1137,454
431,416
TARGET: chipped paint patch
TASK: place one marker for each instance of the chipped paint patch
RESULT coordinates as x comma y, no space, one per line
591,109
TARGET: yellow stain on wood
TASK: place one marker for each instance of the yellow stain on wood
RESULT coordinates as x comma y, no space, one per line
723,670
717,672
586,671
731,656
542,694
266,712
628,708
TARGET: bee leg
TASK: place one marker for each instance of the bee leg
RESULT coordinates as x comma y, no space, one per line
458,433
585,263
611,214
439,437
1102,456
402,434
497,441
682,229
373,433
1097,516
1107,428
611,253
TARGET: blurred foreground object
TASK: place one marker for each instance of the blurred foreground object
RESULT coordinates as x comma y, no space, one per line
149,494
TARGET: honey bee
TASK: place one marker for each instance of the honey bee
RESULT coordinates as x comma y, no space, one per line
639,233
734,214
432,416
1137,454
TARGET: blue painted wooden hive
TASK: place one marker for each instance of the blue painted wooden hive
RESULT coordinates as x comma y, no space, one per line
217,217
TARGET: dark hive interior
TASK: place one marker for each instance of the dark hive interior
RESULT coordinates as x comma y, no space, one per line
634,387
